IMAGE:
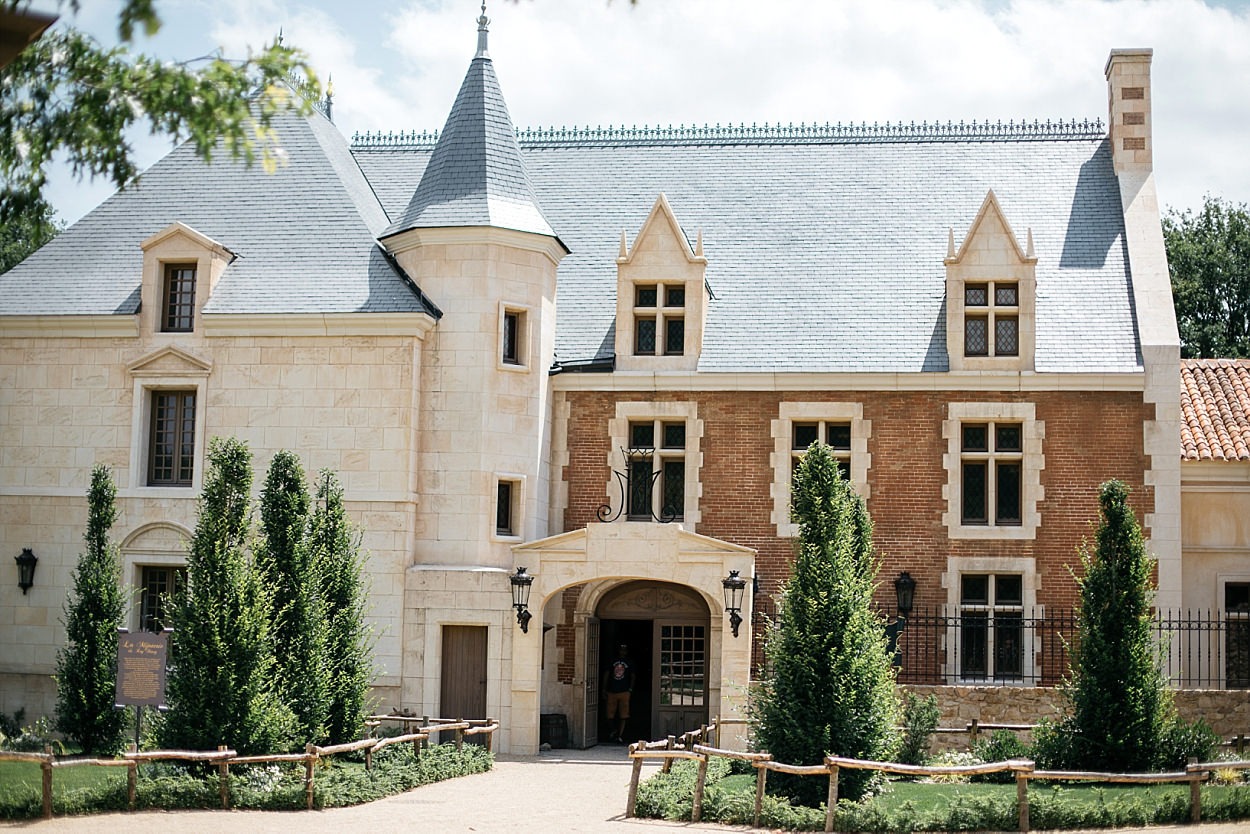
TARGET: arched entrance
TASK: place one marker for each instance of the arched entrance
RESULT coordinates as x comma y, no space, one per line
666,629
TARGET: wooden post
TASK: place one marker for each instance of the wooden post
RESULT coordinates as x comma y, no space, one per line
668,763
1241,743
46,767
223,778
1195,792
832,802
761,777
459,735
633,788
490,737
132,783
425,723
696,812
310,763
974,730
368,758
1022,799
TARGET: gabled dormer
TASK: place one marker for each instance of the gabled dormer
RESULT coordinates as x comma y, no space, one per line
661,296
181,267
991,295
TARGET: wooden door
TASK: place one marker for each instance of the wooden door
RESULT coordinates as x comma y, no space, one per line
680,688
591,684
463,684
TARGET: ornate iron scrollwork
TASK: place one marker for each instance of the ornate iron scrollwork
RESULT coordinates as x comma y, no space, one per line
637,490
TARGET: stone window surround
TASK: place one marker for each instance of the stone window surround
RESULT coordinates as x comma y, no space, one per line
782,431
141,429
518,505
956,567
523,336
1032,463
618,438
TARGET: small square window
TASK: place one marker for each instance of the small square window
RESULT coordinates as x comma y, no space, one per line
674,435
974,589
646,296
805,434
838,436
976,295
178,307
1237,596
976,437
1006,295
642,435
674,296
1007,437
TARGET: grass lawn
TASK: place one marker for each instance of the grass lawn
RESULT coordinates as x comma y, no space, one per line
19,780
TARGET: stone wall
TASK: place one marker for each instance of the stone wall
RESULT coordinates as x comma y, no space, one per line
1226,710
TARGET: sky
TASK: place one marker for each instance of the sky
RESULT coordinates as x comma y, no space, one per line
397,65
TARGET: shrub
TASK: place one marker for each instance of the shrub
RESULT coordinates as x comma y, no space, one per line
920,719
1181,740
1001,746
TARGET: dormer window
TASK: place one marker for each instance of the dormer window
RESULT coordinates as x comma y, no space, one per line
992,319
991,290
178,304
659,328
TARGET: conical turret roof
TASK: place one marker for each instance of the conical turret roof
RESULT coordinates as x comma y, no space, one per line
475,176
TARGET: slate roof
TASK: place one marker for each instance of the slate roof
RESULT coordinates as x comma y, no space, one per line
475,175
1215,409
826,253
304,236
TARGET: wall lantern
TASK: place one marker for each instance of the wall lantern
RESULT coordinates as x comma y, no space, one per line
521,582
904,593
735,585
26,569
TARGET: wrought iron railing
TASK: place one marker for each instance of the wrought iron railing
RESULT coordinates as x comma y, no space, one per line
1202,649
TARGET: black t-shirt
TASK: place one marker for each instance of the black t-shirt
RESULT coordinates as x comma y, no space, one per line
619,674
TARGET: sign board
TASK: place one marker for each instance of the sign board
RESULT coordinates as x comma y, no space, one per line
141,668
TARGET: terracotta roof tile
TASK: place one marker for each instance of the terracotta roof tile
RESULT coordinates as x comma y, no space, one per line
1215,409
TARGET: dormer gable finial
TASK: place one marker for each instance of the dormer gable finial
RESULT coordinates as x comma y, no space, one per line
483,24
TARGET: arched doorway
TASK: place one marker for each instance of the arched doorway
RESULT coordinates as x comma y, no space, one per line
666,629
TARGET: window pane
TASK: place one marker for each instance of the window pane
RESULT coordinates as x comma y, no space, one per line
640,489
510,354
975,437
1008,437
976,295
844,466
171,445
642,435
644,339
976,336
186,438
157,584
674,496
973,650
674,435
1237,655
675,296
1005,295
1008,589
503,509
974,589
179,311
1007,494
1237,596
674,336
839,436
1008,646
974,492
646,296
805,434
1006,336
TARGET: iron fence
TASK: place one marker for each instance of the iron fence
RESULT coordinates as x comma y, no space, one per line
1201,649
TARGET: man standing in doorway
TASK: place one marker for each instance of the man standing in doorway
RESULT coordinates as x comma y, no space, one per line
618,683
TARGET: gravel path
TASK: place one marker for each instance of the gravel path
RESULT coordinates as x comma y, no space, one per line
557,791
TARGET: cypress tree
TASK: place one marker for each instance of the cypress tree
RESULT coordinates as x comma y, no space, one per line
86,668
220,689
299,631
335,546
829,687
1120,716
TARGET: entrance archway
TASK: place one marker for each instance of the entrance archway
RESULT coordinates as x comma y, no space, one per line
666,628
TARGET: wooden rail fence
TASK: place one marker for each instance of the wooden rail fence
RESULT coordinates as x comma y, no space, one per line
223,757
690,746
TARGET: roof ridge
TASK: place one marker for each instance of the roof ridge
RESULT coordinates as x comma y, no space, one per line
803,133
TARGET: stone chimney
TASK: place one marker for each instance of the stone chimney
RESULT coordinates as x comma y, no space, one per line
1128,107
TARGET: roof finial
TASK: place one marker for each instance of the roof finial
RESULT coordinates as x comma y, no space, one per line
482,23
